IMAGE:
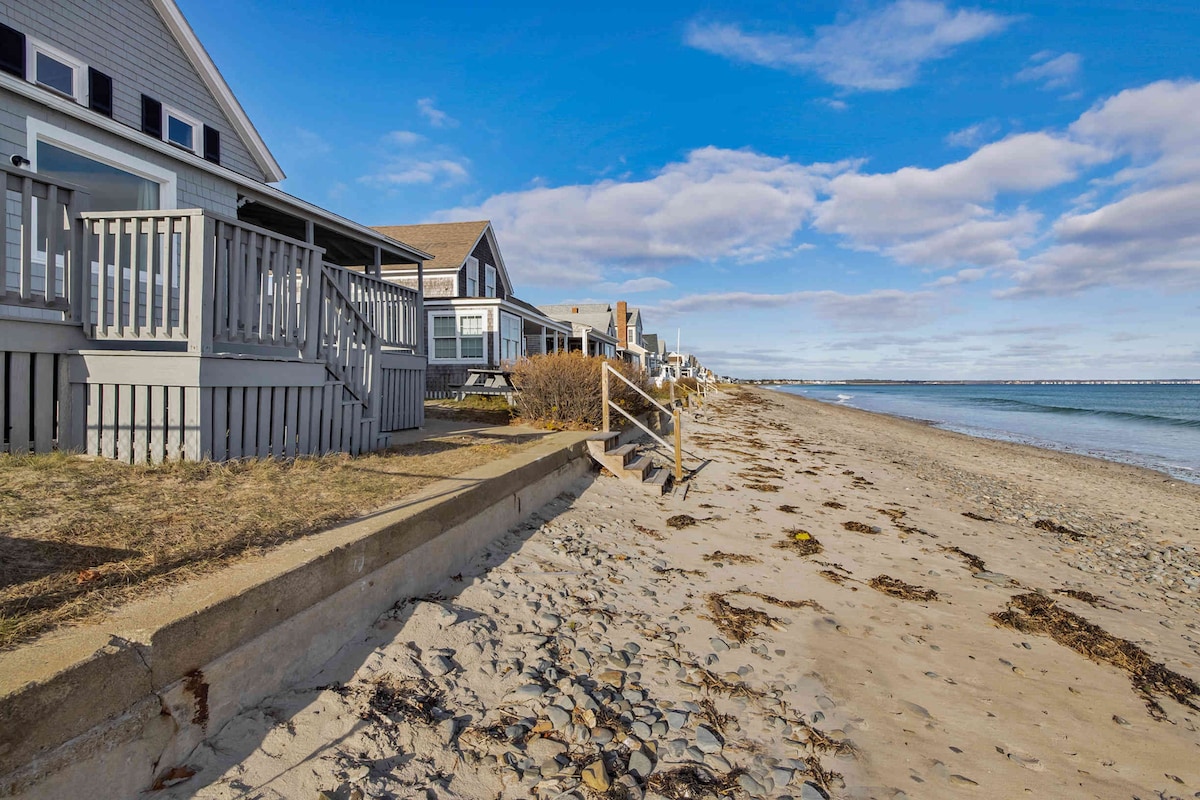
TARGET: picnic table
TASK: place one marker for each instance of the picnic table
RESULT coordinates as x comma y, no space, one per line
486,381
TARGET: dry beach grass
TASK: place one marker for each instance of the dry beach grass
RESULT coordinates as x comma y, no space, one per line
80,535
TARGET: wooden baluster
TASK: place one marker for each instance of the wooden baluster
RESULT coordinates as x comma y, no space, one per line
53,223
26,264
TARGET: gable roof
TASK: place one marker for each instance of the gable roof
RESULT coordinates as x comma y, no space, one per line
203,64
449,242
597,316
633,316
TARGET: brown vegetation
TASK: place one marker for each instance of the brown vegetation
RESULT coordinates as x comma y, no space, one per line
80,535
563,390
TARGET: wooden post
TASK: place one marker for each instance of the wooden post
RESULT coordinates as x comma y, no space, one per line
419,346
200,252
678,445
604,393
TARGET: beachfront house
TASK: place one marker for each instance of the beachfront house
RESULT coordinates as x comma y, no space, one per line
656,351
473,319
159,298
630,344
593,327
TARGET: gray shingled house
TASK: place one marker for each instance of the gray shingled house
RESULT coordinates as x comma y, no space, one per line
473,319
159,298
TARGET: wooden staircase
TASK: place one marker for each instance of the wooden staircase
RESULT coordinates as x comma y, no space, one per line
625,462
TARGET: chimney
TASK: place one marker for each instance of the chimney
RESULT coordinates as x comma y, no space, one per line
622,324
574,309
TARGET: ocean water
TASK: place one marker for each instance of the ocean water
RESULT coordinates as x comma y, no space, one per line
1150,425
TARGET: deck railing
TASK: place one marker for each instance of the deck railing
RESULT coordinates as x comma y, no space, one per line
200,278
349,345
39,242
389,308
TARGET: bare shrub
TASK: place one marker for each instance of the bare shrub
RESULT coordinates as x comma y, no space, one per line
562,390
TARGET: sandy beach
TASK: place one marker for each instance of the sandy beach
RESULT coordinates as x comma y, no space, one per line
840,605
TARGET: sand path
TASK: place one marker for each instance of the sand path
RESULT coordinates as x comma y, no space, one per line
599,632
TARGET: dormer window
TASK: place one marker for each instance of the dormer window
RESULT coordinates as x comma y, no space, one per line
180,129
56,70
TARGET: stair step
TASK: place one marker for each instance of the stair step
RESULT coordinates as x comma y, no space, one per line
604,440
638,469
659,479
625,453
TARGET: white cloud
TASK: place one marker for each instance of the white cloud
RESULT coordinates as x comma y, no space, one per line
436,117
835,104
960,277
1052,71
942,217
1148,238
714,204
404,138
878,308
402,172
638,285
1157,125
881,50
973,135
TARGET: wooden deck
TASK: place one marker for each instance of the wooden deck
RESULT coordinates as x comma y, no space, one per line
152,335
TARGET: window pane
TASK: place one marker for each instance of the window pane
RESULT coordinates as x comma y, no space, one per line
443,326
472,347
443,348
111,189
55,74
180,132
471,326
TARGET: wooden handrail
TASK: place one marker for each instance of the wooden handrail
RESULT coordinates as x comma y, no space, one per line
605,371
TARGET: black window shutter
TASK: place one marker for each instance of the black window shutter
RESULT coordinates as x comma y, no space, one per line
12,51
99,92
212,145
151,117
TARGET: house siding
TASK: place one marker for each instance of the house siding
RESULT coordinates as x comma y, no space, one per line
127,40
196,188
483,252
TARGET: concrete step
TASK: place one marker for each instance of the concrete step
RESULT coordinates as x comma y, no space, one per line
658,480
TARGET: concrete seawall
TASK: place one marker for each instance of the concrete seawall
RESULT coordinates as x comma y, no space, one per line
101,710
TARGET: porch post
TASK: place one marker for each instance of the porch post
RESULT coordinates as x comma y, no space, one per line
200,252
544,350
420,347
377,270
584,342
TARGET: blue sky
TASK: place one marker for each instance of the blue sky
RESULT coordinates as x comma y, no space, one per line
909,189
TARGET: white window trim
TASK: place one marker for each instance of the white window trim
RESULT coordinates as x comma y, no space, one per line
80,86
38,131
188,119
520,340
489,284
472,276
458,314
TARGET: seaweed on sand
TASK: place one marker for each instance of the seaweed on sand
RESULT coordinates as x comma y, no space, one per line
1093,600
859,527
642,529
681,521
898,588
414,699
1054,527
1035,613
833,577
730,558
775,601
693,781
979,517
833,504
974,562
787,509
762,487
895,514
800,542
735,622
